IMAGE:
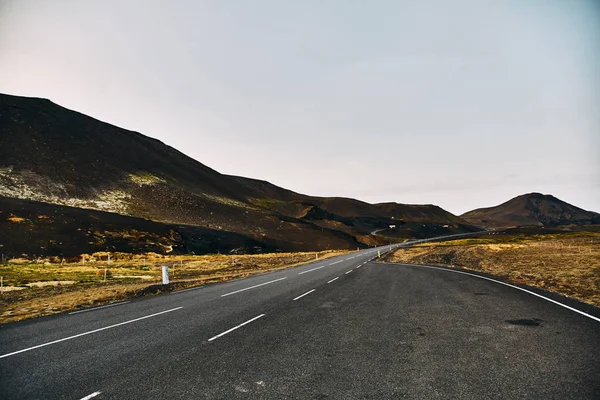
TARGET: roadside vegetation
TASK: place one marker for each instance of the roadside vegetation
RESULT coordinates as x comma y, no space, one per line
51,285
565,263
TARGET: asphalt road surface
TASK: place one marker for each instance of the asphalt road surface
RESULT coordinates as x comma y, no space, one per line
342,328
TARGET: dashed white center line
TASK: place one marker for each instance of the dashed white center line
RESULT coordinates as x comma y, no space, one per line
337,277
337,262
235,327
310,270
252,287
98,308
358,266
89,396
302,295
348,272
89,332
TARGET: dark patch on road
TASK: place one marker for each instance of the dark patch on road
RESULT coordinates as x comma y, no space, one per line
525,322
481,294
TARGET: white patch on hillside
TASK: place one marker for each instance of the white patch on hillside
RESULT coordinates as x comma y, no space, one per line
30,186
228,201
145,178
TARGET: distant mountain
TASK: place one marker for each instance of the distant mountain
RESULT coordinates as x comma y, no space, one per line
53,155
532,209
421,221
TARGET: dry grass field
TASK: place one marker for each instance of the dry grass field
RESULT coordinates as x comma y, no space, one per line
565,263
49,286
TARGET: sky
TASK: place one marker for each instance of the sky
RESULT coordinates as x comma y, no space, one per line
463,104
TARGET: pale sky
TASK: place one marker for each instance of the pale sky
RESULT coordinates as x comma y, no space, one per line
463,104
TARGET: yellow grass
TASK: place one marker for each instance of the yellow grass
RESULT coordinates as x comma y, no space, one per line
568,264
49,286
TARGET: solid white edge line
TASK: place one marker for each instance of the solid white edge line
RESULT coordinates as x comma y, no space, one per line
337,277
88,333
302,295
252,287
89,396
235,327
310,270
347,272
98,308
512,286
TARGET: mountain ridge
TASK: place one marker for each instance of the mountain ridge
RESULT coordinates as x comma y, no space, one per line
53,155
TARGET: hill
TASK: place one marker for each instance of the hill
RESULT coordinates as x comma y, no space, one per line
36,228
532,209
49,154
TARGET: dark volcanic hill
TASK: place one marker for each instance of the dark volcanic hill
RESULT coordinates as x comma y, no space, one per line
53,155
533,209
36,228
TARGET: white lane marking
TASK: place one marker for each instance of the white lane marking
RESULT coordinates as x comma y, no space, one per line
512,286
252,287
187,290
348,272
302,295
88,333
89,396
337,277
358,266
337,262
349,258
235,327
310,270
97,308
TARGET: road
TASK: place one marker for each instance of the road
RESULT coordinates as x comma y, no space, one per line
341,328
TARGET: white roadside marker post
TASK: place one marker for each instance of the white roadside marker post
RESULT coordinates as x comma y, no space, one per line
165,275
378,254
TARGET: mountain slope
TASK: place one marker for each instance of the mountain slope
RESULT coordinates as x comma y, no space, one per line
36,228
58,156
54,155
532,209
